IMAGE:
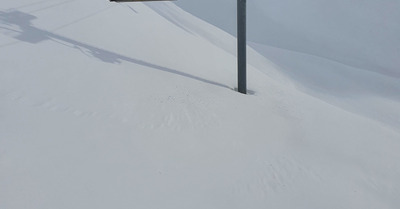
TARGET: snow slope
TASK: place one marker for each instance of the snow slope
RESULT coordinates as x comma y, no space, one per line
132,106
343,52
366,93
359,33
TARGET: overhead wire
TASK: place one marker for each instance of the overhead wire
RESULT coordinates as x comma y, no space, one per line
84,18
32,4
52,6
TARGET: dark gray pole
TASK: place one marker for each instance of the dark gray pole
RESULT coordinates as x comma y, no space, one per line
241,45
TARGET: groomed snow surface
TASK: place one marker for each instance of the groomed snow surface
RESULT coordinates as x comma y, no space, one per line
106,105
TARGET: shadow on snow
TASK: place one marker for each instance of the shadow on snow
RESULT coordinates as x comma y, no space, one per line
31,34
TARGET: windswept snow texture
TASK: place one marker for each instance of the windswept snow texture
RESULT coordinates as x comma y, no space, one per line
346,53
106,105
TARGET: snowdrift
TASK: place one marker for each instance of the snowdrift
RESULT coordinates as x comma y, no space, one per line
361,33
133,106
344,53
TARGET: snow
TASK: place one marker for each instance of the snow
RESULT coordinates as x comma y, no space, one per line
367,93
132,105
345,53
359,33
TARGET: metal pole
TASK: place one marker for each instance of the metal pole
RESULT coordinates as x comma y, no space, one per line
241,45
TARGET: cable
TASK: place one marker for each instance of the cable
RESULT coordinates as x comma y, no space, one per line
52,6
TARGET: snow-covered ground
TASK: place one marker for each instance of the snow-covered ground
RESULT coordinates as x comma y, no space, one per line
106,105
343,52
359,33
